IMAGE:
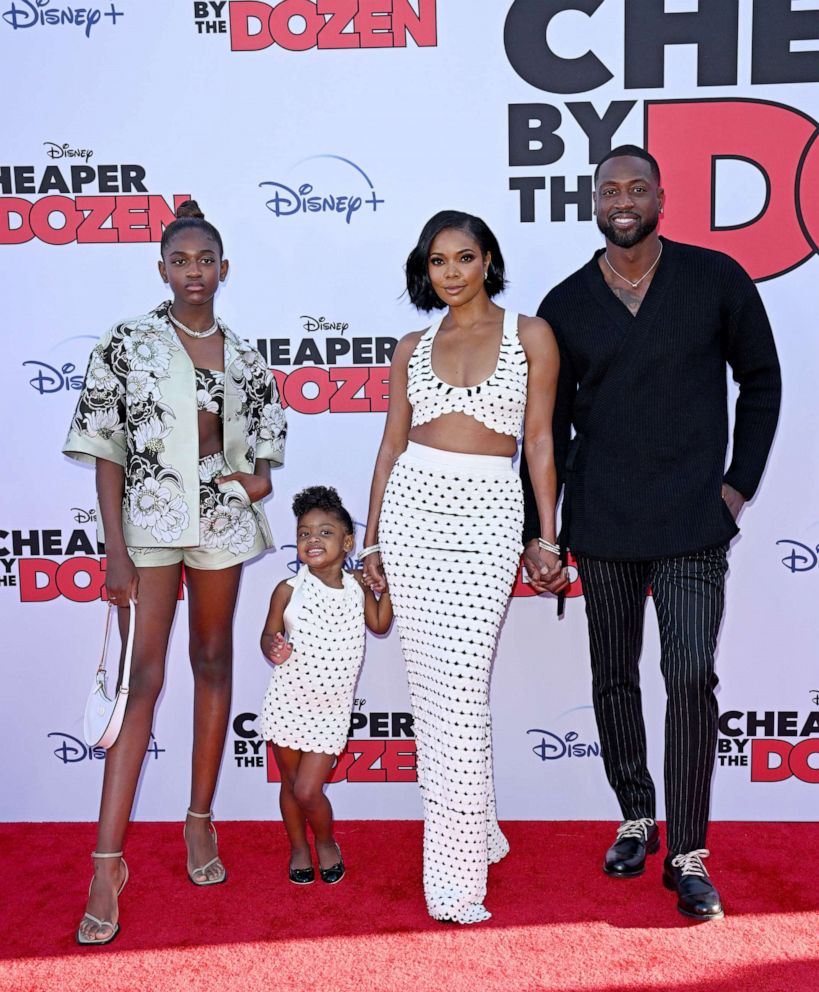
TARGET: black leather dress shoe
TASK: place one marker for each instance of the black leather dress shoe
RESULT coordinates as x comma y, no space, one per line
697,898
626,858
302,876
335,872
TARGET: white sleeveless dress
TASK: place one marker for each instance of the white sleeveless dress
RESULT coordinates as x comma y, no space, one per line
450,536
309,700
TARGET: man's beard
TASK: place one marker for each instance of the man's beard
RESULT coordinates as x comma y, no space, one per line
628,239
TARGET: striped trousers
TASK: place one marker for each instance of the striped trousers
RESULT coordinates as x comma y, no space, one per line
688,595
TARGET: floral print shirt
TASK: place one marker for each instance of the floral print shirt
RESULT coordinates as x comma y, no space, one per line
138,408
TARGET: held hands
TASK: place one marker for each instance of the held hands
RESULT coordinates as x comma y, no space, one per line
255,486
373,572
545,570
734,500
279,649
121,578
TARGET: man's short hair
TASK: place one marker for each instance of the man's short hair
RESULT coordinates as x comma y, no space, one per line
631,151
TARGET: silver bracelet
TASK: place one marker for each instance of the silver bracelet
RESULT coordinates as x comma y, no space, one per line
545,545
373,549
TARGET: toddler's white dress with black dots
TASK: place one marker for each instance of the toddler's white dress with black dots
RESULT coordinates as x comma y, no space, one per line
309,699
450,536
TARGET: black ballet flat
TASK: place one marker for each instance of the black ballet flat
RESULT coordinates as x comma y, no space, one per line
302,876
335,872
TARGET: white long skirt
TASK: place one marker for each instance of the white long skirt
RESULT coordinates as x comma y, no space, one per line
450,536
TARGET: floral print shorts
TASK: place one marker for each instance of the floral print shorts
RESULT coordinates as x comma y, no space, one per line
228,531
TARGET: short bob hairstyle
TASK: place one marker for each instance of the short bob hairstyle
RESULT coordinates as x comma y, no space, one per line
419,286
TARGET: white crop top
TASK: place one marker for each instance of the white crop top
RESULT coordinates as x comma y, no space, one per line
498,402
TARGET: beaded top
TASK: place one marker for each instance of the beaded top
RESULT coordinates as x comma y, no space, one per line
498,402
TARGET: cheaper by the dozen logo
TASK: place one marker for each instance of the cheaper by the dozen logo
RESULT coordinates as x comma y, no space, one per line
299,25
385,751
73,199
775,745
693,140
330,372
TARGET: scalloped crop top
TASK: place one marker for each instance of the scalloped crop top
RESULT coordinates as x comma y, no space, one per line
498,402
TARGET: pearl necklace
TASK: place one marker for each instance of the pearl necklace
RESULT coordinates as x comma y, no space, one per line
645,275
188,331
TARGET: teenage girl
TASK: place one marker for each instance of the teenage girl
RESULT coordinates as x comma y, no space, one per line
314,634
181,419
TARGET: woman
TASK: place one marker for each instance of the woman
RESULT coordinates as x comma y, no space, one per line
446,515
182,420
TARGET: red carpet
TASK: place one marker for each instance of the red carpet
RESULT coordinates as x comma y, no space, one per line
559,923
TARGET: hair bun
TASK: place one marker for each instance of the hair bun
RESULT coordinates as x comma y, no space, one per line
189,208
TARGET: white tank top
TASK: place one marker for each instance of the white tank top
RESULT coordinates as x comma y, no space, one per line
498,402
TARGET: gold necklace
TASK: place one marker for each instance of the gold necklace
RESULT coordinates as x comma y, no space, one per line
645,275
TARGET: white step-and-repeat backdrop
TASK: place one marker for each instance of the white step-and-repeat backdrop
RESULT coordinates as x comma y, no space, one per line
319,135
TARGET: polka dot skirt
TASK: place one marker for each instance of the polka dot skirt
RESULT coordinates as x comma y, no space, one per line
309,699
450,531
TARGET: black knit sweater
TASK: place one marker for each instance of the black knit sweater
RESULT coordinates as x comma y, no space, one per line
647,396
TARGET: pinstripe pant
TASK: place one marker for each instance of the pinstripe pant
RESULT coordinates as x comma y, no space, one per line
688,596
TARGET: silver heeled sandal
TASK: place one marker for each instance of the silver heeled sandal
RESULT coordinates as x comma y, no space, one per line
221,875
114,925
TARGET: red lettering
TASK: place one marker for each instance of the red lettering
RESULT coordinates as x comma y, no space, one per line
131,218
799,760
61,580
17,233
421,26
398,761
341,12
377,389
280,28
351,379
160,214
294,390
807,201
99,210
762,750
242,13
374,22
40,219
362,768
687,139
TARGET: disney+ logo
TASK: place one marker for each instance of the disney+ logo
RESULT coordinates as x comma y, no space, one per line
48,379
306,199
800,557
553,746
71,749
40,13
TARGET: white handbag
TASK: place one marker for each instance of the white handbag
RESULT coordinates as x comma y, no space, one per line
104,713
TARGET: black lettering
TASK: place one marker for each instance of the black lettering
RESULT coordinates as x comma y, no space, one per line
811,724
308,351
133,177
24,179
524,37
357,722
336,347
526,186
725,727
600,130
107,178
52,181
532,138
775,27
786,724
240,726
82,175
79,541
562,197
362,351
763,721
18,542
384,347
648,29
379,724
402,725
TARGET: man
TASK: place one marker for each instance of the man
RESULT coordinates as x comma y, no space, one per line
645,330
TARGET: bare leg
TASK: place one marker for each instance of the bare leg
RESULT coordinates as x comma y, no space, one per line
158,589
212,601
309,792
295,822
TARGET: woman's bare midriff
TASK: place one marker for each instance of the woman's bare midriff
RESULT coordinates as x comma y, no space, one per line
460,432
